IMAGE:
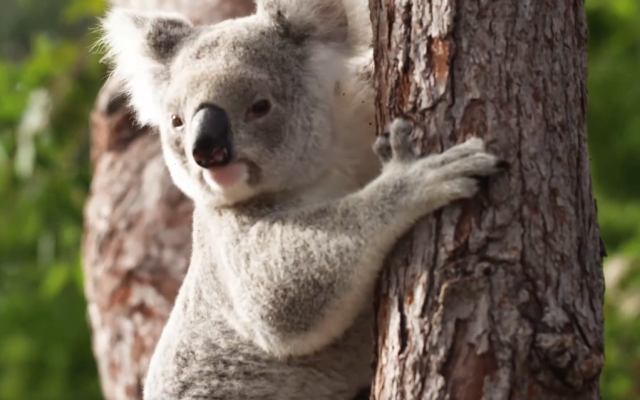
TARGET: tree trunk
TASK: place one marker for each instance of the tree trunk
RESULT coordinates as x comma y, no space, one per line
137,227
498,297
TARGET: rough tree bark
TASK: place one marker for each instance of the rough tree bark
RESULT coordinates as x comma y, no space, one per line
499,297
137,227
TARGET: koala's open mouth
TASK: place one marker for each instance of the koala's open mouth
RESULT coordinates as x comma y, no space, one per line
228,176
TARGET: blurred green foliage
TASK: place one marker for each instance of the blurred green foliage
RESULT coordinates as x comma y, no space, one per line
614,143
48,83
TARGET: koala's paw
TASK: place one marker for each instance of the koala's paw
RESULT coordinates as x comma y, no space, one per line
458,152
453,177
438,179
396,144
466,159
460,171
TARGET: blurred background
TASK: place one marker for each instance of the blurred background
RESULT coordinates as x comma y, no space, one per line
49,79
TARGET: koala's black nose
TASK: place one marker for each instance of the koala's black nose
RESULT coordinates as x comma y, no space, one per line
212,147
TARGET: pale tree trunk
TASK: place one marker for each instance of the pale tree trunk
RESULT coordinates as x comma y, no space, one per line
499,297
137,227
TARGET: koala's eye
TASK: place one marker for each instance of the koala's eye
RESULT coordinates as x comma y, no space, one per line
260,108
176,121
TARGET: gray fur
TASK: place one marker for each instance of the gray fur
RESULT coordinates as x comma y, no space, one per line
277,303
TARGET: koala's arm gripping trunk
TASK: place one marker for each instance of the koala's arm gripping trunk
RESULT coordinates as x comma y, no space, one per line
306,275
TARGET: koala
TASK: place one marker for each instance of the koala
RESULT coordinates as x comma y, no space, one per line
267,123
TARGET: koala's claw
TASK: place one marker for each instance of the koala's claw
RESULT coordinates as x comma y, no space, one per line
397,143
503,165
482,181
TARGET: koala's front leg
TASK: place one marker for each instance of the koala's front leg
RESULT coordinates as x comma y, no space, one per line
315,269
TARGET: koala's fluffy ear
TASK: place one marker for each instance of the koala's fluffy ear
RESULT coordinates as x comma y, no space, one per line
141,46
321,20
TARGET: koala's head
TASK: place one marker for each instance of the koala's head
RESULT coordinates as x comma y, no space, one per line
243,106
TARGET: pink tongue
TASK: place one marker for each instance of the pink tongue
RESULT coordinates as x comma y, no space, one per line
229,175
